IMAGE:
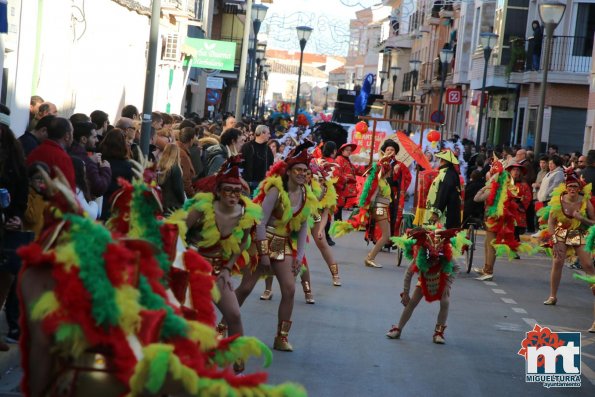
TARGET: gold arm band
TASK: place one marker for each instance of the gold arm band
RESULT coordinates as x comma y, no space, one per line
262,246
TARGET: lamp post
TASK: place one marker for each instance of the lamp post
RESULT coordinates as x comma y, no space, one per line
259,12
445,58
259,59
551,13
414,67
394,70
303,33
487,41
266,69
382,74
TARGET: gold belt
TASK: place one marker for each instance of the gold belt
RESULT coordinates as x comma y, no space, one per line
279,246
380,211
570,237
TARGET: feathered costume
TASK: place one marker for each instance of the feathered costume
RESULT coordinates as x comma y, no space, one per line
375,185
109,315
434,252
501,212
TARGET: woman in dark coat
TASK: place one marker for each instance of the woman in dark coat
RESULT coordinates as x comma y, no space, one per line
445,192
115,152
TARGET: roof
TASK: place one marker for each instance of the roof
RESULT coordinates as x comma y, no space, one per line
339,70
292,69
295,56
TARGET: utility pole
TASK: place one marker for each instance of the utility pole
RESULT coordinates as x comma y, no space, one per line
242,76
145,132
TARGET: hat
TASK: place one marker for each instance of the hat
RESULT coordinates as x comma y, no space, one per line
299,155
448,155
125,123
346,145
517,165
572,177
390,143
230,171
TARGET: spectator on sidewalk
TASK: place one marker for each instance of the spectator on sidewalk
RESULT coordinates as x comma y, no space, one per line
130,112
45,109
34,104
13,177
258,157
130,129
115,152
98,171
53,151
101,120
36,202
551,180
79,118
231,144
170,178
589,172
31,139
90,206
186,141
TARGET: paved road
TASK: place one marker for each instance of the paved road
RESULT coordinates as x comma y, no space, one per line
341,350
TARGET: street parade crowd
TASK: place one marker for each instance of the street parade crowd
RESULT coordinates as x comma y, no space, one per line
113,262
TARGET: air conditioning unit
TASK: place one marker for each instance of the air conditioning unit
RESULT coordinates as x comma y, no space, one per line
172,47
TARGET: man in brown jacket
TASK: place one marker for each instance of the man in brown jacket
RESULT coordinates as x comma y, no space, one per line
185,141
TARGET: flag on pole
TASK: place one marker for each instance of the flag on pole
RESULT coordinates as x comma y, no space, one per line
3,16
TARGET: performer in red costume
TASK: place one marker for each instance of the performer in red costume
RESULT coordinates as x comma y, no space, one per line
347,183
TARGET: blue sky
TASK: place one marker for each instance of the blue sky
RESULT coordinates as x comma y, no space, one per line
328,18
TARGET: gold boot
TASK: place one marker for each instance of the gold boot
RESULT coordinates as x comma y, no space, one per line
439,334
334,268
369,262
281,343
308,293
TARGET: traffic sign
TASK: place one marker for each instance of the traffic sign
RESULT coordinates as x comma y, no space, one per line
454,96
438,117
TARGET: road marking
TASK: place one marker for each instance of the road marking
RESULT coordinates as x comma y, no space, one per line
509,301
490,283
499,291
519,310
508,327
530,321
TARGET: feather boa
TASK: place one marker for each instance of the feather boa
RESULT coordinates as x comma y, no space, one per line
210,235
555,204
289,221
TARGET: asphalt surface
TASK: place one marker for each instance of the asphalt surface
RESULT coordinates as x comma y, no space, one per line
339,343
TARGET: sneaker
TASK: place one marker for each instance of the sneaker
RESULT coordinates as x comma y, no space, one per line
485,277
393,333
330,242
478,270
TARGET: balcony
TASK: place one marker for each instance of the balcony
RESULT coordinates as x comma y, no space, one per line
570,62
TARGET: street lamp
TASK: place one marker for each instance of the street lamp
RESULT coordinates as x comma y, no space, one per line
303,33
266,70
394,70
258,14
260,60
488,39
414,67
551,13
382,74
445,58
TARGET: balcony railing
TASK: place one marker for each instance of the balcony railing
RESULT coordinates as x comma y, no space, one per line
569,54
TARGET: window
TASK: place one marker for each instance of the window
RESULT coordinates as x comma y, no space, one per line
584,30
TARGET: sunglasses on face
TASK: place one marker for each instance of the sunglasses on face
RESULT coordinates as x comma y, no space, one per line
229,191
573,187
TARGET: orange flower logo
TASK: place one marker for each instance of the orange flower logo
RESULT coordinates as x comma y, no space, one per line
540,337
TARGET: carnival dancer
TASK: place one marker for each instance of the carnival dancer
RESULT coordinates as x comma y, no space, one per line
501,211
444,198
433,254
219,221
373,211
569,214
346,185
97,321
399,182
322,184
524,196
281,236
